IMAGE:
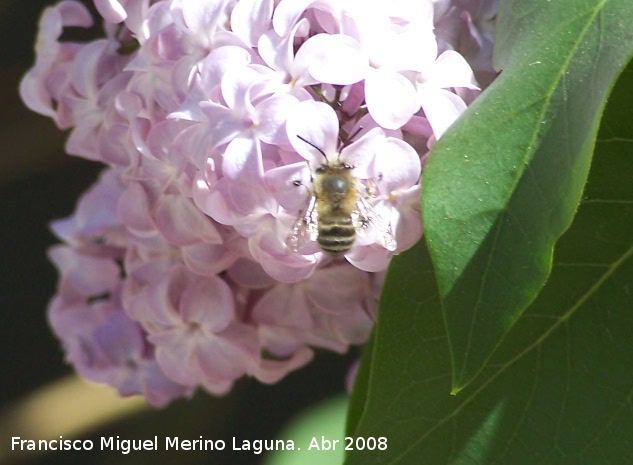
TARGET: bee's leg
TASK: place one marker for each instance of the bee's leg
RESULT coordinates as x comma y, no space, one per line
297,182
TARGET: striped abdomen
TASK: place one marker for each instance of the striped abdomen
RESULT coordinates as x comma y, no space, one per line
336,234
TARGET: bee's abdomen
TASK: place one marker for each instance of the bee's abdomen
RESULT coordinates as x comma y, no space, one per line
336,236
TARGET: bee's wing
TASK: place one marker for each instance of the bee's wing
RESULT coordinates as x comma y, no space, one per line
305,229
365,216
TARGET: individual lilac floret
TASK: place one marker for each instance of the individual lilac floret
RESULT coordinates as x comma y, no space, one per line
195,259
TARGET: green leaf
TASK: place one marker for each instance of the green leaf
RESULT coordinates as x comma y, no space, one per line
504,182
559,388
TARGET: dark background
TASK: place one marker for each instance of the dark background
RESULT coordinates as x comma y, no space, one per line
38,183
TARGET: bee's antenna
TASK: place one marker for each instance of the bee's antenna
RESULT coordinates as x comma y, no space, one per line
314,146
349,139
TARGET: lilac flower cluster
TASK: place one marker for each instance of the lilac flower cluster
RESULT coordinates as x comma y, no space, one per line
175,267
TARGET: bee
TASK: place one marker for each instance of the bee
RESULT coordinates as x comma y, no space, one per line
337,209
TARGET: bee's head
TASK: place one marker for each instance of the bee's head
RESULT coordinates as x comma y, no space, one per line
333,167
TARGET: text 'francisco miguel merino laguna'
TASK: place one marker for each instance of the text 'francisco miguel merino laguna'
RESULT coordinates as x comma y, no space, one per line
125,446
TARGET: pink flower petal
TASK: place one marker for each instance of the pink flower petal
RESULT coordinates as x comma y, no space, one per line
217,63
408,226
111,10
251,18
334,59
222,126
452,70
207,259
390,98
271,371
352,327
250,275
90,276
271,116
360,153
178,219
102,197
208,302
193,357
236,87
369,258
282,182
441,107
285,305
201,19
398,164
232,353
134,209
317,123
287,14
346,287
